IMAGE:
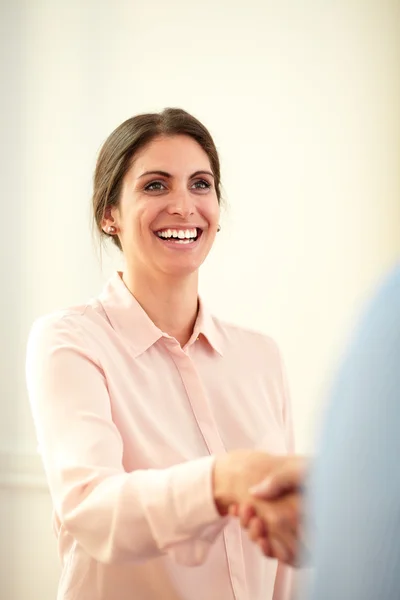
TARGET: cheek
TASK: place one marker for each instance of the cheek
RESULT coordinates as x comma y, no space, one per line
211,210
139,218
148,211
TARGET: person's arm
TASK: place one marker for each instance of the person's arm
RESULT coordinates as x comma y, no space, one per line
355,490
114,515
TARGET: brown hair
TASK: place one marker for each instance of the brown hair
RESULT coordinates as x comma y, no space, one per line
127,139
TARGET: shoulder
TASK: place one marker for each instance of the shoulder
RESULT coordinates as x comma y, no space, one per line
69,325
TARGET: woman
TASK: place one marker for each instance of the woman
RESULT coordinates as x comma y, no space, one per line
153,417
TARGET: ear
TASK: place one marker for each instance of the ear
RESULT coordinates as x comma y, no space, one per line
110,218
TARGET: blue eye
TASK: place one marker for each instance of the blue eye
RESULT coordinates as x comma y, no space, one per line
155,186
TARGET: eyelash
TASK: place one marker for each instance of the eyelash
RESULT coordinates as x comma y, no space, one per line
205,185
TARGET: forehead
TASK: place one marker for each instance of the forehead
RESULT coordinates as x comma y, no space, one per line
179,154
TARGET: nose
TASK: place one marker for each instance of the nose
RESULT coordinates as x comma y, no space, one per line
181,203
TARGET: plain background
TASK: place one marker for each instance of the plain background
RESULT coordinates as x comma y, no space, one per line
302,99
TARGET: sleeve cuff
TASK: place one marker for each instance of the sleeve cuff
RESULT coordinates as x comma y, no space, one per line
179,504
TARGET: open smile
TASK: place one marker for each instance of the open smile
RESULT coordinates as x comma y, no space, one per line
179,238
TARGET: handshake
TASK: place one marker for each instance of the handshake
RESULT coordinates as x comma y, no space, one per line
265,492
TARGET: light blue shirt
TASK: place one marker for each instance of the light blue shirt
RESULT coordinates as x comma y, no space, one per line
355,489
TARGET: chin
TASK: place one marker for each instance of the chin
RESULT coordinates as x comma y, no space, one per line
180,270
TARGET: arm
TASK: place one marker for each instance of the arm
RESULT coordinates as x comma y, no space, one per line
115,516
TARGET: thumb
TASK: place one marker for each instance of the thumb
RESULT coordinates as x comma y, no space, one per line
277,484
287,478
265,489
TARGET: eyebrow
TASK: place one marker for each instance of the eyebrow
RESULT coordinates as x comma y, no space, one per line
169,176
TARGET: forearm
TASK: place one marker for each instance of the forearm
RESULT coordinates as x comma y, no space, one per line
140,515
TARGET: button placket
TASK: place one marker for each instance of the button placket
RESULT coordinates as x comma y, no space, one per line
205,420
234,552
198,400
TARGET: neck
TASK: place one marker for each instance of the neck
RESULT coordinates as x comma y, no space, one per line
171,303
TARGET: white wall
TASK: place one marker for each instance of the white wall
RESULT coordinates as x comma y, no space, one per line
302,99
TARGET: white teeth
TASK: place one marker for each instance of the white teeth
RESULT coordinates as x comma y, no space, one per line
178,234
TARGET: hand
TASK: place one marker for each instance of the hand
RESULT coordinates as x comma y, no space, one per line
276,531
235,473
282,490
275,526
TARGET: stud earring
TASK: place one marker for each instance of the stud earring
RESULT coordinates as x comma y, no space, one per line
111,230
219,228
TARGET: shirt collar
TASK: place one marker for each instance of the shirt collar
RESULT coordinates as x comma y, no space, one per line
207,325
129,319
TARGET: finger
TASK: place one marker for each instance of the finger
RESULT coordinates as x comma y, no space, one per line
234,510
282,524
285,541
246,513
284,514
278,483
256,529
265,546
288,477
278,550
288,545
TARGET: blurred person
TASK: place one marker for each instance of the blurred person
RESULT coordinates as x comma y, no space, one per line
152,416
353,489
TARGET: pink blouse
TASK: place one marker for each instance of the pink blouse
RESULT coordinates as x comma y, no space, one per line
129,424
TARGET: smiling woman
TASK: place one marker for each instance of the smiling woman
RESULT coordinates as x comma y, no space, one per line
123,146
153,416
168,185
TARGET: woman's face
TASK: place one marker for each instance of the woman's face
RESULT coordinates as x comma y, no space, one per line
168,213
